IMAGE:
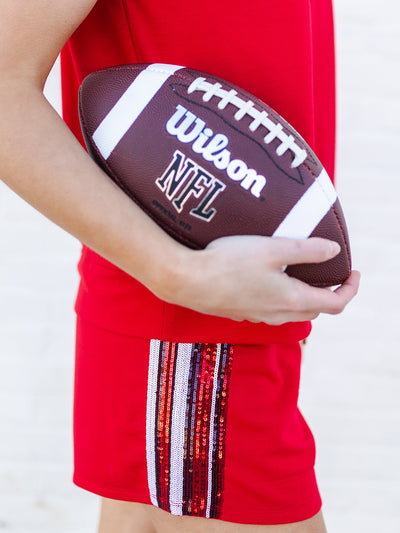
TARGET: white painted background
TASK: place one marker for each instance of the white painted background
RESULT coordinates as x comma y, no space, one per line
351,372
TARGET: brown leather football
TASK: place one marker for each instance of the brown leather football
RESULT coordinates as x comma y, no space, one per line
206,159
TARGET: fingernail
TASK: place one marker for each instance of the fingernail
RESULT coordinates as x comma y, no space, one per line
335,248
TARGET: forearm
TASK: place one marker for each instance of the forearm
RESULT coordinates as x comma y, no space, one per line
43,162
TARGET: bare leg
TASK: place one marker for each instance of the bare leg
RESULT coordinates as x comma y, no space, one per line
127,517
124,517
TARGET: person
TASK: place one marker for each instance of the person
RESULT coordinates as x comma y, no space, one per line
152,312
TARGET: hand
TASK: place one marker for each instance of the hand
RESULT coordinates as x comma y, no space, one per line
242,278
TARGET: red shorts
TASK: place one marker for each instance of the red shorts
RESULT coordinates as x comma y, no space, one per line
209,430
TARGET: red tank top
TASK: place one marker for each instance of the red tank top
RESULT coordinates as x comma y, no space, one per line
282,52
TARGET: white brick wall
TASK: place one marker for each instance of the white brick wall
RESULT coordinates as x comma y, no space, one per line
350,386
38,281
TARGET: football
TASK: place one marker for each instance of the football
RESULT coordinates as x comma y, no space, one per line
206,159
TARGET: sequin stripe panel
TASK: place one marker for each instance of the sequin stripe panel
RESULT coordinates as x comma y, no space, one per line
167,359
151,409
187,403
190,418
158,425
201,440
218,430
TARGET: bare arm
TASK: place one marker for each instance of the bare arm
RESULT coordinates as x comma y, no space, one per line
238,277
43,162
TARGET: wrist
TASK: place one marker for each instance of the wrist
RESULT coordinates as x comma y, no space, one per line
169,272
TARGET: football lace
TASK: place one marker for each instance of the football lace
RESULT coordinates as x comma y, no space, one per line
260,118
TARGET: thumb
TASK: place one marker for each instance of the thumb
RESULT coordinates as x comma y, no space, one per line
297,251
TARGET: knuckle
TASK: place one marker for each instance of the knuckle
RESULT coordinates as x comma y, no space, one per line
298,245
337,308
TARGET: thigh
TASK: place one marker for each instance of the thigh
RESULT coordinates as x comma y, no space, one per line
128,517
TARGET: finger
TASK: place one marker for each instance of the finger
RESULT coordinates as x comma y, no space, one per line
350,287
327,301
297,251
